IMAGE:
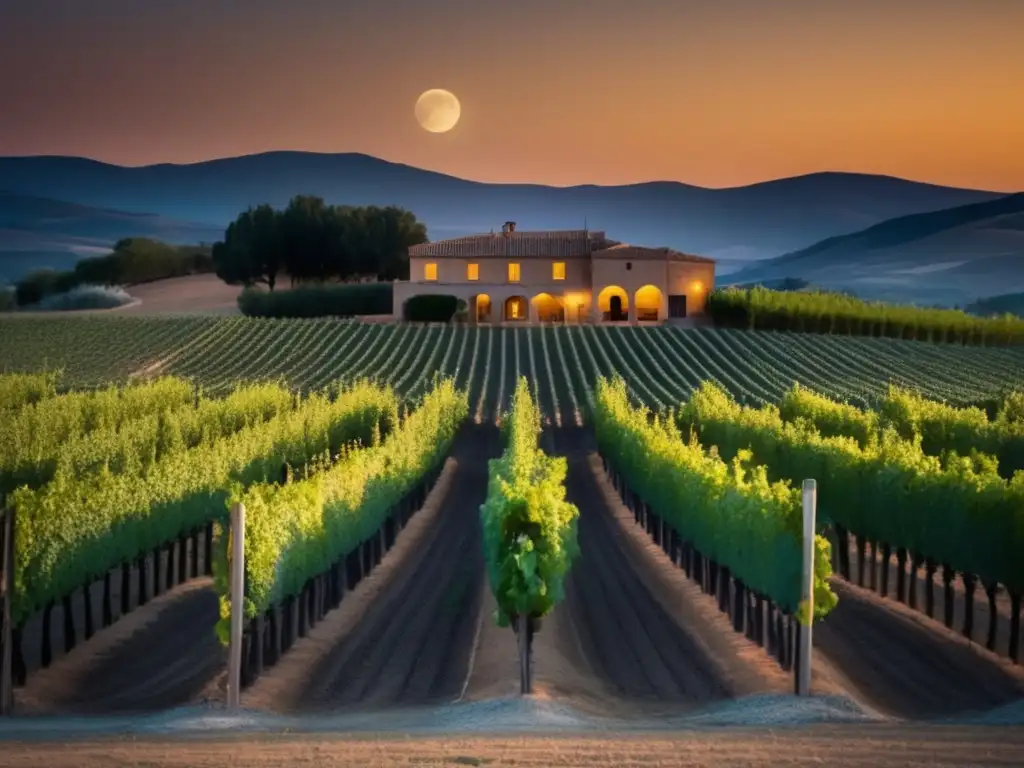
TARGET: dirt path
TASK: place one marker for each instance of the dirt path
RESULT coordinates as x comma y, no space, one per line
163,654
906,665
632,630
406,635
884,655
878,746
921,585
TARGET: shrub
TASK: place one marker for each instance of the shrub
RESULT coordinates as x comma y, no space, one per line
8,298
142,260
318,300
86,297
134,260
36,285
430,308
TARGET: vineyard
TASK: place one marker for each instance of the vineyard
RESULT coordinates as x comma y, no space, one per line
661,366
636,520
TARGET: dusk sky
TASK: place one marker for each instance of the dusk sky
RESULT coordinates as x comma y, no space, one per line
558,92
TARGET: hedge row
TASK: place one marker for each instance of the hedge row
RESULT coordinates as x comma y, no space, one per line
823,312
319,300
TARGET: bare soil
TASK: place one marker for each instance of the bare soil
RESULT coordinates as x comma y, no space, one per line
406,634
633,635
193,294
884,655
902,664
162,655
868,746
159,655
920,587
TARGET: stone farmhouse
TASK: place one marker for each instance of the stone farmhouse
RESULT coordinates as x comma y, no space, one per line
566,276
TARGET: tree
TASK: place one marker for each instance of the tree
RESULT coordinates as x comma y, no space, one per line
253,248
311,240
304,237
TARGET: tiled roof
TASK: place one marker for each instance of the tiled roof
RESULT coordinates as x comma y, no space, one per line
640,253
567,243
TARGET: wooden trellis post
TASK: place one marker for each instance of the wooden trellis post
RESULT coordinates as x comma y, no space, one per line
6,597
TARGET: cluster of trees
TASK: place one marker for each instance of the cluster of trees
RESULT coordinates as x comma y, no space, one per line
134,260
312,241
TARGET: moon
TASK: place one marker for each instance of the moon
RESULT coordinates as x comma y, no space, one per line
437,110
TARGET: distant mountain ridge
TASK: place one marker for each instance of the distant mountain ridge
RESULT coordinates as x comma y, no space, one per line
735,224
37,232
954,255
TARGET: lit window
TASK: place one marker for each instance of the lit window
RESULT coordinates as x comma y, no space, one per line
513,273
472,271
513,310
558,270
430,271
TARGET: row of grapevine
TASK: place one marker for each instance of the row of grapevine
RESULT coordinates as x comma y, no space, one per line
73,531
18,389
308,541
958,514
133,446
529,529
35,434
661,365
730,512
726,525
942,428
822,312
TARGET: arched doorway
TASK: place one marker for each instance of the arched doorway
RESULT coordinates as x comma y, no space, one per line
648,303
547,308
483,308
517,309
615,310
613,304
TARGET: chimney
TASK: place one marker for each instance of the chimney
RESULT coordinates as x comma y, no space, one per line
508,226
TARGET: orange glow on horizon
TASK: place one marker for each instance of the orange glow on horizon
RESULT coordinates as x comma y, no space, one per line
716,94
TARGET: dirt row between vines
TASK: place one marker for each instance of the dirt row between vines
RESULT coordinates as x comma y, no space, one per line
406,635
882,654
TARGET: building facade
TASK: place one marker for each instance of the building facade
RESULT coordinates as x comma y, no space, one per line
567,276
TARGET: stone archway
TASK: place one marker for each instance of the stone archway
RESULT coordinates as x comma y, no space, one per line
517,309
483,308
613,303
548,308
648,301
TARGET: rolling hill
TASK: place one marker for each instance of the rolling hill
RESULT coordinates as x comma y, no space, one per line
998,305
733,225
40,232
950,256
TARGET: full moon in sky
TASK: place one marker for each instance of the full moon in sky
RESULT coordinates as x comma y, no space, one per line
437,110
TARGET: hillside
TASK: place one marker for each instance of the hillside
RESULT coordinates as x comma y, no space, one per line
735,224
998,305
40,232
949,256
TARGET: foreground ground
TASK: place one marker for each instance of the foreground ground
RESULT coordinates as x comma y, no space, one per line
874,746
